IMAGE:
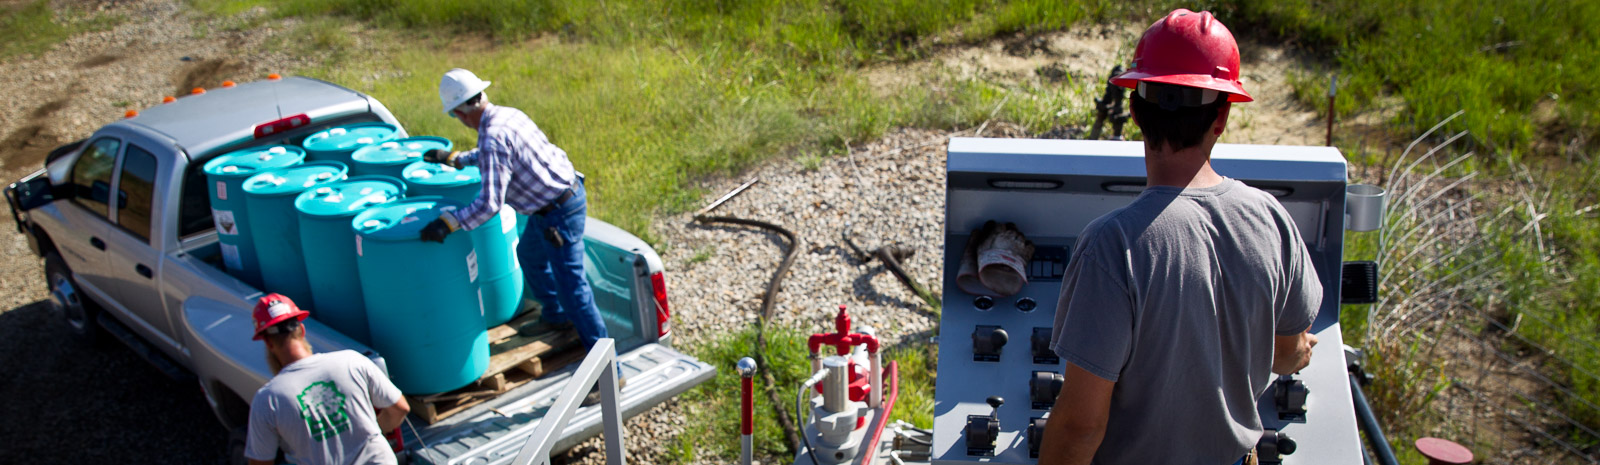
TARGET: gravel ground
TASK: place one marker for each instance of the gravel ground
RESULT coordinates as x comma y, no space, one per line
890,191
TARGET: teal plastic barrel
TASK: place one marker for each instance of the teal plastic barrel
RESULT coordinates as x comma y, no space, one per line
275,226
390,158
329,245
225,176
500,279
495,240
336,144
422,304
423,178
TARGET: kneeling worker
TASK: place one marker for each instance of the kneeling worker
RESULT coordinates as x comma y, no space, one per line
522,169
318,408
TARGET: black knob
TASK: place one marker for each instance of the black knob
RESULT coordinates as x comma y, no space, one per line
1026,304
987,340
995,401
1286,444
1040,345
983,302
1035,436
1289,396
1043,387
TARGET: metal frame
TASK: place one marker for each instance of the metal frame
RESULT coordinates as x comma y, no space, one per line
600,365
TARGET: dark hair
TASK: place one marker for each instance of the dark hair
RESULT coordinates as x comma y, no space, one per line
472,102
1177,129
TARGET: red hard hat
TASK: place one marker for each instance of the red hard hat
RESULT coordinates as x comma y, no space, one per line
1187,49
274,309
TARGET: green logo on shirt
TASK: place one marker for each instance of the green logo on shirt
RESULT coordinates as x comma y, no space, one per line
322,407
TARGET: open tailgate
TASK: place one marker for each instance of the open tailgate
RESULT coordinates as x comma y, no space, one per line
494,432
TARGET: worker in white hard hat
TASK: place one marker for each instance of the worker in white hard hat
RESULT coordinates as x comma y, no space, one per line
522,169
1176,310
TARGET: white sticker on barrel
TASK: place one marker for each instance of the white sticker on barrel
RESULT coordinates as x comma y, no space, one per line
408,220
508,219
224,222
472,266
222,188
358,245
230,258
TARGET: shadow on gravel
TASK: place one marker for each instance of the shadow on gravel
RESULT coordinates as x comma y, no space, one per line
62,401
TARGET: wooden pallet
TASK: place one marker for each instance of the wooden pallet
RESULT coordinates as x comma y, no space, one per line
514,360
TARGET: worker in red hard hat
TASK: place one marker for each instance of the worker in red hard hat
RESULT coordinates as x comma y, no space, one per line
1176,310
318,408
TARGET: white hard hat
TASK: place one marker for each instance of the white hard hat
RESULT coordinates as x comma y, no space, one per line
457,86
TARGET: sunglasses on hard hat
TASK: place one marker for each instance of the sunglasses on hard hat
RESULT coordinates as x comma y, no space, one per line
285,327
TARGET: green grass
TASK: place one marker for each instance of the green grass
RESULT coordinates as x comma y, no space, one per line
33,27
712,431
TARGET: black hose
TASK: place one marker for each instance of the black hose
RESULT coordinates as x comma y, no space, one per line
767,302
1369,424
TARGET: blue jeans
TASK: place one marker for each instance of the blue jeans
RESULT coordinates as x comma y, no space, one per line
556,274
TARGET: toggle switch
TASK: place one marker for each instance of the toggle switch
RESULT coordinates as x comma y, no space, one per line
984,430
1035,436
1027,304
1273,446
983,302
987,340
1040,344
1289,396
1043,387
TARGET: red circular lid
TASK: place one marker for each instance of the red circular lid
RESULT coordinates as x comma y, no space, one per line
1443,451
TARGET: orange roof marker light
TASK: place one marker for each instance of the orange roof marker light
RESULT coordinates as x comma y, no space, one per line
198,91
130,114
226,84
168,99
274,77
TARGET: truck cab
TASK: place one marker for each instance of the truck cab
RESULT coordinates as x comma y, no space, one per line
124,222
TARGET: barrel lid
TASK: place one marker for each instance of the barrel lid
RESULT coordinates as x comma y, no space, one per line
402,220
250,161
350,137
350,196
434,174
400,151
294,179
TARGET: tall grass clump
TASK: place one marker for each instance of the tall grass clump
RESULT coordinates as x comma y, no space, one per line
1521,68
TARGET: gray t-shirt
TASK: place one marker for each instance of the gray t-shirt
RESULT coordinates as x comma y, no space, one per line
319,410
1176,298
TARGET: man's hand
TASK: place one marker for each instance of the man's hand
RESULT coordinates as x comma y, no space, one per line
1292,353
441,156
436,230
390,417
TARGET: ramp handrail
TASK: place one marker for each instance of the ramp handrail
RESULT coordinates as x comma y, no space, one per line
599,366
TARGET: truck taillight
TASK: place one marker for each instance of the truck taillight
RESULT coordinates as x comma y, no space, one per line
282,125
658,286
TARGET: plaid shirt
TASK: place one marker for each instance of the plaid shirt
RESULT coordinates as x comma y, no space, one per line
519,165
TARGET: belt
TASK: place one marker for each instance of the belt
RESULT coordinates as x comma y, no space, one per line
550,207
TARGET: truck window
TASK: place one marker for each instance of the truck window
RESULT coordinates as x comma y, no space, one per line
194,209
91,175
136,191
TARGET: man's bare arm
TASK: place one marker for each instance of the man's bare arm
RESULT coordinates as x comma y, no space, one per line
1291,353
1078,421
389,417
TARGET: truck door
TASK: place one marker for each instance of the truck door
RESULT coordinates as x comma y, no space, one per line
133,255
83,241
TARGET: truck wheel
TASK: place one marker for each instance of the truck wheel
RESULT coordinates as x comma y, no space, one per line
236,444
79,314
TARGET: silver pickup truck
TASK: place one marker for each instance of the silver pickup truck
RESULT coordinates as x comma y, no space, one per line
144,266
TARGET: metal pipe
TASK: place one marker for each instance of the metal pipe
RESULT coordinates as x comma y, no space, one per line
1369,425
875,399
747,406
836,386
